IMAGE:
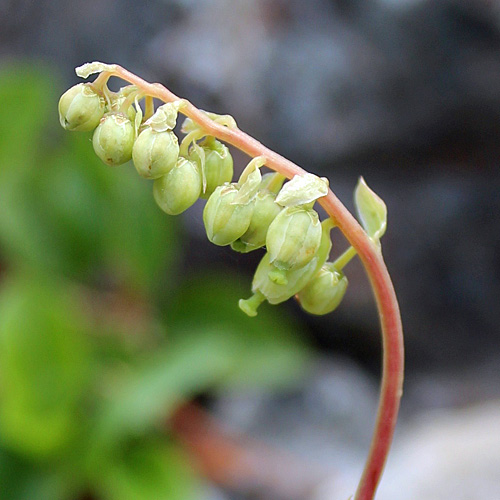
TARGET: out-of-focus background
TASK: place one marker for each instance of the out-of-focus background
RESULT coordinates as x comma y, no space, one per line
126,369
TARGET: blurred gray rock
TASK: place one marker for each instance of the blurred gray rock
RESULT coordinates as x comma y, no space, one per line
443,455
323,424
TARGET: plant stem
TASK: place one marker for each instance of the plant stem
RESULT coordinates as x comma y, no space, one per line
387,305
344,259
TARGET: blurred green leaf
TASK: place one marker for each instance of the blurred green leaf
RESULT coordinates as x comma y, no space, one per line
44,365
26,94
149,470
152,390
21,480
267,349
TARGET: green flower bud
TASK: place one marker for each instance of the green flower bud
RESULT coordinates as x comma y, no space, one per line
324,292
226,220
116,101
264,212
293,238
278,291
81,108
265,288
113,139
155,153
218,164
130,111
179,189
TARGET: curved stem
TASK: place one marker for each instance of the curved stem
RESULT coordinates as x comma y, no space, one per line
387,305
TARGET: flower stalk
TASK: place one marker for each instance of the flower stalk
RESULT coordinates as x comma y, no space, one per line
364,245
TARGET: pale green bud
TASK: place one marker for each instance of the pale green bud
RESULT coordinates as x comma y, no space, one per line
293,238
218,166
264,212
324,292
179,189
81,108
116,106
117,101
155,153
113,139
265,288
226,220
276,291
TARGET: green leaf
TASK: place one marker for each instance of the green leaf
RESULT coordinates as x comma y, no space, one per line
371,209
44,365
70,214
267,350
26,94
20,479
153,389
147,470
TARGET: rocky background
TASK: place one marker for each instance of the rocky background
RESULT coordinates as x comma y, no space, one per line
403,92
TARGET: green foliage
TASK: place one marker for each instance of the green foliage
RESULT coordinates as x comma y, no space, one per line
44,362
86,385
264,351
150,470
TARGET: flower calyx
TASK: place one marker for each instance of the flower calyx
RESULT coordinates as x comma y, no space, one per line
81,108
229,209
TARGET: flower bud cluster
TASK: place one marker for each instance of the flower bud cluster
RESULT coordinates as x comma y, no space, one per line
254,212
121,133
248,215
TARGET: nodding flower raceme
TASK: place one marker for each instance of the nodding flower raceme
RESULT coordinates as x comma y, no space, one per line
257,211
254,212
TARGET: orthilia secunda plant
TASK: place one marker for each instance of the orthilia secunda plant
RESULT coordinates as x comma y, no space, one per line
274,211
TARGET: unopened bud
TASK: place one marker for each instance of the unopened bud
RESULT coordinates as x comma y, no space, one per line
179,189
117,102
294,280
290,282
293,238
155,153
264,212
218,164
324,292
81,108
225,220
113,139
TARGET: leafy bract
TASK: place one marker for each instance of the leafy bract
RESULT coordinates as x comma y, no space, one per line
371,209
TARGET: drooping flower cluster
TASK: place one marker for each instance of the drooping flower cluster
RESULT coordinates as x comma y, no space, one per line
256,211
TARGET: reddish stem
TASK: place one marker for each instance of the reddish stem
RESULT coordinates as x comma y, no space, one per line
388,309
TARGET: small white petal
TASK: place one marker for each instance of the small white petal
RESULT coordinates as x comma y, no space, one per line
87,69
302,189
249,189
165,117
